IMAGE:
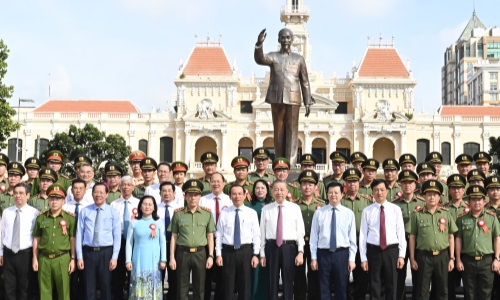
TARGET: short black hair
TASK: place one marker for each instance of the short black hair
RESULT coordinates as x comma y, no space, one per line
78,180
22,185
236,185
100,184
379,181
167,183
334,184
165,164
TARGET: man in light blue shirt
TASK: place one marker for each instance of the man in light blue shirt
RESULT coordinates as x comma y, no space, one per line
333,244
98,240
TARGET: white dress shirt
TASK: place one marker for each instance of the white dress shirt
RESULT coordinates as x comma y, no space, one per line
293,224
209,201
28,216
70,206
249,228
171,208
345,228
370,228
119,205
154,190
87,198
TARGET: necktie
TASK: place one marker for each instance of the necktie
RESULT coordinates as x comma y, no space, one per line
279,228
97,227
237,233
333,232
16,240
126,219
383,239
76,213
217,210
168,235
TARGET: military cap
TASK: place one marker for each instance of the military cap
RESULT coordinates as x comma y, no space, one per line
49,174
261,153
475,191
434,157
390,164
351,174
136,156
113,169
309,176
179,166
432,186
148,163
308,159
33,163
456,180
81,159
16,168
407,175
463,159
209,158
338,156
358,157
192,186
370,164
4,159
240,162
281,163
408,158
476,175
482,157
424,168
55,156
492,182
56,190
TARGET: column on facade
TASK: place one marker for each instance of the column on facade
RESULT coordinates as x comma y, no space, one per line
224,158
403,141
331,142
258,139
307,142
366,143
435,137
187,146
28,144
486,140
153,150
456,142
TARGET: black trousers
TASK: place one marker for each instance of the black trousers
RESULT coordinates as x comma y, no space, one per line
119,274
401,292
306,282
280,259
18,273
432,268
214,274
77,285
359,287
495,293
96,269
171,277
236,271
477,277
382,267
332,267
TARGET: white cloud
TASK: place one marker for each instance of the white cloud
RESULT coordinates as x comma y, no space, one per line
60,83
366,8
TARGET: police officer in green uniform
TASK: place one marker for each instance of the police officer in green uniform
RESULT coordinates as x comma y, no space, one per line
464,164
339,160
308,204
54,159
179,170
476,245
308,162
370,167
240,168
356,202
356,159
281,169
148,167
4,183
41,201
192,229
483,160
426,171
15,172
80,160
408,161
54,247
477,177
436,159
492,185
209,162
391,168
261,158
113,173
32,166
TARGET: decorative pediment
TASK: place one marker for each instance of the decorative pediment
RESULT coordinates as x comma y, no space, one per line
205,110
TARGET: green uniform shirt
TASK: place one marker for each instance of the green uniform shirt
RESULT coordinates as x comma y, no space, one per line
293,192
320,192
6,200
112,196
138,191
308,213
408,208
206,186
62,180
51,232
247,185
328,179
365,189
475,241
39,202
430,234
493,209
192,228
268,176
357,205
445,196
455,210
393,191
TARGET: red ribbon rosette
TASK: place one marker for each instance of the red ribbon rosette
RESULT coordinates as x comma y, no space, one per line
399,194
63,225
442,224
419,207
466,210
152,226
318,207
268,182
134,213
3,188
246,192
482,224
289,196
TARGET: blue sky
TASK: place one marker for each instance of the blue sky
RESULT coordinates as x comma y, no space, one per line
131,49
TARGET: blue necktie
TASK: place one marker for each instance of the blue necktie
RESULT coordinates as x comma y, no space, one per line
237,234
97,227
333,232
168,234
76,213
126,219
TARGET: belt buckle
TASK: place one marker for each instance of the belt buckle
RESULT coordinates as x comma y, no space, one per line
435,252
51,256
97,249
306,238
192,250
478,258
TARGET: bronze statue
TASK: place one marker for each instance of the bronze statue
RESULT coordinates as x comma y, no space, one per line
288,84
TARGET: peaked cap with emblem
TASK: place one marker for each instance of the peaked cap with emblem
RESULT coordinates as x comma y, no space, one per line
136,156
434,157
81,160
475,191
463,159
308,176
482,157
338,156
425,168
179,166
56,190
492,182
352,174
261,153
113,169
476,175
16,168
407,175
33,163
192,186
456,180
308,159
390,164
240,162
148,163
408,158
281,163
370,164
55,156
209,158
357,157
432,186
48,173
4,159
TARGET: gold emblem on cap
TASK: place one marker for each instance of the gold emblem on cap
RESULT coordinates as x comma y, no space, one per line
148,161
481,155
434,155
494,179
356,155
407,173
261,151
308,174
14,166
352,172
280,162
389,162
372,162
111,168
456,178
81,158
47,171
209,155
336,155
432,183
464,157
239,160
56,188
193,183
33,161
407,157
424,166
55,154
475,189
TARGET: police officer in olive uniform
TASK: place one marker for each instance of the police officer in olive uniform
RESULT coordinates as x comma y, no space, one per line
54,247
370,167
148,167
476,177
407,161
476,247
4,183
492,185
134,160
209,162
308,162
464,164
281,168
32,166
192,229
261,158
240,166
432,229
339,160
308,204
391,168
356,202
15,172
113,173
483,160
356,159
55,159
436,159
80,160
41,201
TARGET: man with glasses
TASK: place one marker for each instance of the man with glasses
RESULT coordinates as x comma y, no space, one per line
261,158
339,161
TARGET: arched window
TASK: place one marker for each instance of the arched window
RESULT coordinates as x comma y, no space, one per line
446,152
143,146
41,146
166,149
11,152
471,148
422,150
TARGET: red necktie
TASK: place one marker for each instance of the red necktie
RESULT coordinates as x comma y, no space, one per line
217,209
383,238
279,228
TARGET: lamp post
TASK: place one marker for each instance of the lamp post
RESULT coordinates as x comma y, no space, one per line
17,137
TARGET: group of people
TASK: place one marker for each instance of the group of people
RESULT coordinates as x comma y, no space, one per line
76,239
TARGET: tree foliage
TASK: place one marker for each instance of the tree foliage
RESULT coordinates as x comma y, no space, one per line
6,112
93,143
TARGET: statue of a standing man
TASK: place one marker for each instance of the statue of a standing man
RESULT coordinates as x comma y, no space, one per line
288,84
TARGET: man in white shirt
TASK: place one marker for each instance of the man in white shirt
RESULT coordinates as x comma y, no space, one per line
382,242
16,245
126,206
237,245
86,173
282,240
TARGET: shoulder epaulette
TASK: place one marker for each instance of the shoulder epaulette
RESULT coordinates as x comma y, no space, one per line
418,208
395,199
70,213
491,212
178,209
270,172
206,209
462,214
292,185
442,208
248,182
418,197
365,196
63,176
298,201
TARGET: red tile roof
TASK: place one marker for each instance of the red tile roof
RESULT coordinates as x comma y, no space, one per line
469,110
111,106
207,61
382,62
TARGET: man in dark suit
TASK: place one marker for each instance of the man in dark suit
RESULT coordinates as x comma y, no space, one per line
288,85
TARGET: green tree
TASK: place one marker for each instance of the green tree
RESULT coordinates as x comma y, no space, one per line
93,143
6,112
